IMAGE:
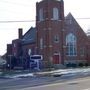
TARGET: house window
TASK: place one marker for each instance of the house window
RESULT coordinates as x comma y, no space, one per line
41,14
71,45
14,54
55,14
14,45
29,52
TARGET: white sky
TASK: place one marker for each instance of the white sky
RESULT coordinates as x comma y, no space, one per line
18,10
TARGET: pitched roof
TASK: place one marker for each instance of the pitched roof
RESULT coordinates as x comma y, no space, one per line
72,25
29,36
70,21
69,18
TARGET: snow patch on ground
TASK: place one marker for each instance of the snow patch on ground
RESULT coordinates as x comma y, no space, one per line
72,71
20,75
78,71
60,71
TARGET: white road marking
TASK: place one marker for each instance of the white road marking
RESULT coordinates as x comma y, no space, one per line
87,89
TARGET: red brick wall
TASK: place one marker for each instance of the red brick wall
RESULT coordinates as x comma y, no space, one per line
26,48
48,28
82,41
16,47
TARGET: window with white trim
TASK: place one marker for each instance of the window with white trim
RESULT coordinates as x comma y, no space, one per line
55,14
71,48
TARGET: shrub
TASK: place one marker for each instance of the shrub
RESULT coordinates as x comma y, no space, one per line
80,64
86,64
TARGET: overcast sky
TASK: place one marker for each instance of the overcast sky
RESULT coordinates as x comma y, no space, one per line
20,10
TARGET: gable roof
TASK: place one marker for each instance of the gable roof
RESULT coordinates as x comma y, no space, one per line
69,18
71,21
72,25
29,36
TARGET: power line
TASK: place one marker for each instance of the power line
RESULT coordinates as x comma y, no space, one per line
78,18
83,18
17,21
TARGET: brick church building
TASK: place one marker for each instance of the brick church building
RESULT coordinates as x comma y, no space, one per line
59,39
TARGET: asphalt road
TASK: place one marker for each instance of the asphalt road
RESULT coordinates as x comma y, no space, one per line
18,83
67,82
76,84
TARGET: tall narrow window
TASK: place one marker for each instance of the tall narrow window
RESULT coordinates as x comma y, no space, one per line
14,45
55,14
41,14
41,43
71,45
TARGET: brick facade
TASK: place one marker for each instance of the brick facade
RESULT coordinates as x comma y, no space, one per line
49,38
48,28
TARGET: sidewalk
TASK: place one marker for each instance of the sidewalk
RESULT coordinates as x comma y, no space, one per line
59,72
15,74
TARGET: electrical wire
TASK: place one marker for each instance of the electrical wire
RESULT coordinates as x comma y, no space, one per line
19,21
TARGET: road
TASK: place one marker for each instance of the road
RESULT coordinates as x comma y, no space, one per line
18,83
69,80
76,84
46,83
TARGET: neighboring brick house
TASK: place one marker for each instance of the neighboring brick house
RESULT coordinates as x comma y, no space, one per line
59,39
28,43
20,47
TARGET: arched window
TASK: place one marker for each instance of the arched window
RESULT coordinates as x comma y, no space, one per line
71,48
41,14
55,14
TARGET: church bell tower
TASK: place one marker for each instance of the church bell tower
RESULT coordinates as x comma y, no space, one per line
49,25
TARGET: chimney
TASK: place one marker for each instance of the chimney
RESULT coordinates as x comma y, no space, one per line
20,33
